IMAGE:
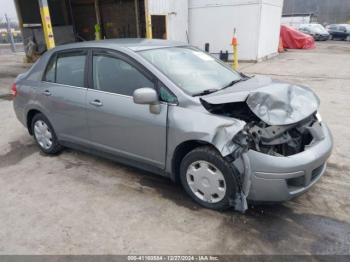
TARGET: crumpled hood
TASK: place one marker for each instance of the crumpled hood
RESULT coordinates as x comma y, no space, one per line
274,102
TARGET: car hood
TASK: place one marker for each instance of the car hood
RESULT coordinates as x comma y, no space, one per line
319,31
273,101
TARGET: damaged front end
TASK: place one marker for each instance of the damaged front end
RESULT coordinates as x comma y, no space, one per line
280,121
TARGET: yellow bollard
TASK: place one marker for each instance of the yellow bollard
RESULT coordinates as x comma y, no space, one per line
149,33
148,19
47,26
235,51
235,57
97,32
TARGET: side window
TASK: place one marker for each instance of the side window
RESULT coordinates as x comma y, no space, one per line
114,75
165,95
70,68
342,29
50,70
66,68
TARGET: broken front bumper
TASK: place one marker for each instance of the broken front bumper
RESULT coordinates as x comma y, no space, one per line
282,178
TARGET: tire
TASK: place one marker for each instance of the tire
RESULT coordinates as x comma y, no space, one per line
196,170
44,135
330,37
347,38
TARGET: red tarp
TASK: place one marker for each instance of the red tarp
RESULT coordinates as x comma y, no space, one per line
295,39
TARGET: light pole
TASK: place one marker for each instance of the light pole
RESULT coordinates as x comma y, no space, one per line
9,34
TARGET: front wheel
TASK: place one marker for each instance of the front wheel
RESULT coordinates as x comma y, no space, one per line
44,135
208,178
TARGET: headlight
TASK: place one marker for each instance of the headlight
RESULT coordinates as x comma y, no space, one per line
318,116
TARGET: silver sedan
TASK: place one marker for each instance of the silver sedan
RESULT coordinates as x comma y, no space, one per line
174,110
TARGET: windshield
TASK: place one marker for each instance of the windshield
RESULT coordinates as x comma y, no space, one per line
318,27
192,70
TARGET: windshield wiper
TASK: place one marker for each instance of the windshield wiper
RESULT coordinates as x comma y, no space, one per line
232,83
244,78
206,92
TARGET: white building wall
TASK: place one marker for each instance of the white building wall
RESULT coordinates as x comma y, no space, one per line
296,21
257,23
212,21
270,24
176,12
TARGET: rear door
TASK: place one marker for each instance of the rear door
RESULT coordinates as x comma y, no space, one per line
63,94
332,30
116,124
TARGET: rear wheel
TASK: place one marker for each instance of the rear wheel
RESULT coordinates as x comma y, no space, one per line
44,135
208,178
347,38
330,37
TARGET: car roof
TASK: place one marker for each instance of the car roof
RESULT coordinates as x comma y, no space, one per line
310,24
135,44
346,25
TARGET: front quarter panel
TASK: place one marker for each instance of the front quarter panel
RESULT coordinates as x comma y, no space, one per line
191,124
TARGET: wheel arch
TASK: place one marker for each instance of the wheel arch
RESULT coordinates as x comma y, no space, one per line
30,115
181,151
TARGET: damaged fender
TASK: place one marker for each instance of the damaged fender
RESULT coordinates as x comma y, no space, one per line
191,125
184,125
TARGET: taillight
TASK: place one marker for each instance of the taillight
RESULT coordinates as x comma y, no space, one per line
14,89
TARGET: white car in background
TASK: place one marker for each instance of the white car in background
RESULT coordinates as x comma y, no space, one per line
317,31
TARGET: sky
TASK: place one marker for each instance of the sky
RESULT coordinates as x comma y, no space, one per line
8,6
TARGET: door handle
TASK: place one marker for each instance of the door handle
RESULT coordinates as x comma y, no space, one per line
46,93
96,102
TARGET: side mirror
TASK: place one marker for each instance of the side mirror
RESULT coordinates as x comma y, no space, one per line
147,96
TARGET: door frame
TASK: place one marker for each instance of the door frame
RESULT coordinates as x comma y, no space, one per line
166,25
120,55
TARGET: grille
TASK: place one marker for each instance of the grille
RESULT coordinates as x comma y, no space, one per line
296,181
316,172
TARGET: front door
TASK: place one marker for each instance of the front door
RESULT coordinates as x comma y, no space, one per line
118,125
342,32
63,94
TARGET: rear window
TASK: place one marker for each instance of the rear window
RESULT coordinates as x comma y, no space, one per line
66,68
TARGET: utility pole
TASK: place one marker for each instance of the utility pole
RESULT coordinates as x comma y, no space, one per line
47,26
136,4
9,34
98,35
